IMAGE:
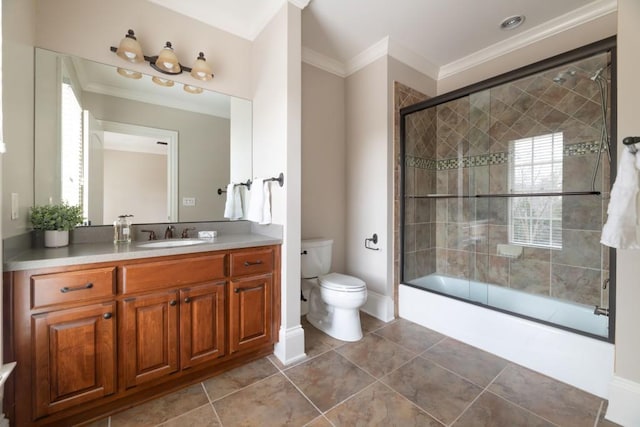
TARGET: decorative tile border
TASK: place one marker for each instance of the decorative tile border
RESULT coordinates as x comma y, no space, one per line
579,149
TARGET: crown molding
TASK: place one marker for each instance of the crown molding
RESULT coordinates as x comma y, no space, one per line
323,62
413,60
550,28
367,56
300,3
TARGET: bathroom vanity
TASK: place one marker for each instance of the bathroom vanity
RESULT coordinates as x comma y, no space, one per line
91,338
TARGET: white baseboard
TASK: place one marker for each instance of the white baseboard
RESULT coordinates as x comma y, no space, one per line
624,399
379,306
290,347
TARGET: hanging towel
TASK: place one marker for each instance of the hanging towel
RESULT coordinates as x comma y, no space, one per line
620,229
260,202
266,204
233,206
256,201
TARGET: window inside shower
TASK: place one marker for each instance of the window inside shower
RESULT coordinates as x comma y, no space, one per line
504,191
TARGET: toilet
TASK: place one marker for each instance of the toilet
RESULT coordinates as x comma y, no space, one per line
334,299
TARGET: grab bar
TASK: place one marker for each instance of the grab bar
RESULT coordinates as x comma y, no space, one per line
502,195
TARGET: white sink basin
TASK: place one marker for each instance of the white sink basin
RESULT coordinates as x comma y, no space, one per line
170,243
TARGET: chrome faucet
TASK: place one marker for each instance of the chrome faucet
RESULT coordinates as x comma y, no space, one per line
168,234
185,232
152,234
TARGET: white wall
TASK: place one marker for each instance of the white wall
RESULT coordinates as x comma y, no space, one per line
137,181
277,58
324,193
367,183
18,36
624,395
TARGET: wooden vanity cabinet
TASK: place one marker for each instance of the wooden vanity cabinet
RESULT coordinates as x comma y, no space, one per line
93,339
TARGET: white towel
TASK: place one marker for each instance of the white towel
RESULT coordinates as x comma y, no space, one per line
233,206
620,228
260,202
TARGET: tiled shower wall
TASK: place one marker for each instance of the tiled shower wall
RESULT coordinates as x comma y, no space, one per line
462,147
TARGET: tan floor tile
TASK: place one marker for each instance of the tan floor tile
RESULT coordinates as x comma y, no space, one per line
376,355
314,336
555,401
200,417
476,365
377,405
370,323
321,421
329,379
441,393
410,335
274,401
230,381
490,410
100,423
162,409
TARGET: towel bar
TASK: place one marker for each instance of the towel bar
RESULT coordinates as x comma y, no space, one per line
246,184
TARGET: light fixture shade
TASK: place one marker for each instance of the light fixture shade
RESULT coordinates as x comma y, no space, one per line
167,61
129,48
162,82
129,73
192,89
201,70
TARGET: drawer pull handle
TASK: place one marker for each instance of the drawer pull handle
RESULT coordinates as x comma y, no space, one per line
173,302
238,290
107,316
187,300
78,288
249,263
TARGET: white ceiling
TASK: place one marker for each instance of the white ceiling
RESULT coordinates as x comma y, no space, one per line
437,36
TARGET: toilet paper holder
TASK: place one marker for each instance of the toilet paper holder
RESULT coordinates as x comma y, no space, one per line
373,239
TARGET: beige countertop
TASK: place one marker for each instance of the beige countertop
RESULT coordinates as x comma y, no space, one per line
87,253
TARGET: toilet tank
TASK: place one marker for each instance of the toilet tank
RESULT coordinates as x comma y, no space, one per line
316,257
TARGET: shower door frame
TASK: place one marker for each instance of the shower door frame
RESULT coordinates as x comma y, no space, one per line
602,46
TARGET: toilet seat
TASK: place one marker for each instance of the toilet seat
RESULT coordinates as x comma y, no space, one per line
341,283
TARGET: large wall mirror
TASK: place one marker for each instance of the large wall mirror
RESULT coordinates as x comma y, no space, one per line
119,145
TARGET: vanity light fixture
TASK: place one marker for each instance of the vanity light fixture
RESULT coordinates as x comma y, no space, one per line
129,74
192,89
165,62
162,82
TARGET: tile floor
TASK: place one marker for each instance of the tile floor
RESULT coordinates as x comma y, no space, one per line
399,374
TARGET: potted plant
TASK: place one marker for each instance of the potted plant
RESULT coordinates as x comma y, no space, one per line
56,221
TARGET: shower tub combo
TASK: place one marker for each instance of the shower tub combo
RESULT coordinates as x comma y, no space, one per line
504,190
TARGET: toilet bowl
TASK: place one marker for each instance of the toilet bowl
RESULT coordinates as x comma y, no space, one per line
334,299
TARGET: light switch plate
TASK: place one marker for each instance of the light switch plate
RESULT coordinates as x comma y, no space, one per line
188,201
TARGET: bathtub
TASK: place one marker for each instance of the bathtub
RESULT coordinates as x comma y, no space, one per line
584,362
556,311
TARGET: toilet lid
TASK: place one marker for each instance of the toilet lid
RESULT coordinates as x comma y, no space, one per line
341,282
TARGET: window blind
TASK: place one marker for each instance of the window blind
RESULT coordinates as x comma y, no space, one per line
72,147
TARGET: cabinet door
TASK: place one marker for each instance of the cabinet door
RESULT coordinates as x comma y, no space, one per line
202,332
250,312
149,348
74,357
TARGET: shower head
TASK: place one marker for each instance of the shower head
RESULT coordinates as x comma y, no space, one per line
598,74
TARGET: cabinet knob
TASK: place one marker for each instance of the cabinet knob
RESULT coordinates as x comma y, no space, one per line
107,316
187,300
236,290
173,302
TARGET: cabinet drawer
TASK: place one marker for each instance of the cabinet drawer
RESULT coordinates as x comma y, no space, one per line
172,272
252,262
72,286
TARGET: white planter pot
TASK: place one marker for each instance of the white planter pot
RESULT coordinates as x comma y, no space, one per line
56,238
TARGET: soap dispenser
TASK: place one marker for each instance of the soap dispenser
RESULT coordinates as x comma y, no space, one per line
122,229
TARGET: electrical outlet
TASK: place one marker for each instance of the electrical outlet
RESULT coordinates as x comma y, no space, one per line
188,201
14,205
